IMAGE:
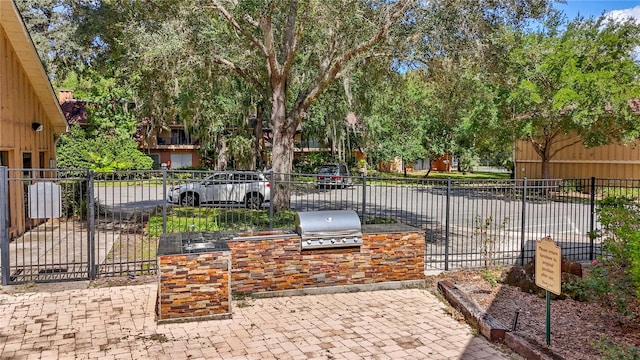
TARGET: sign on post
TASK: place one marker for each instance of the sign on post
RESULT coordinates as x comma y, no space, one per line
548,265
548,274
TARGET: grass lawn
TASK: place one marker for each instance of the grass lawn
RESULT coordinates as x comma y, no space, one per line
454,175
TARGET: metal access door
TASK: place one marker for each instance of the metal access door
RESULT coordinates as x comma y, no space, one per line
44,231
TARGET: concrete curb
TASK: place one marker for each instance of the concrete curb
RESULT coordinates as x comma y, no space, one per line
490,327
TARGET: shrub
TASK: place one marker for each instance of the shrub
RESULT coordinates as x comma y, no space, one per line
307,164
102,153
615,279
620,219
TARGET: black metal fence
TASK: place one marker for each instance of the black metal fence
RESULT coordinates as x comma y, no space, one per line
69,224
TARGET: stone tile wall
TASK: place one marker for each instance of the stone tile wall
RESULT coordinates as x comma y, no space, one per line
194,286
279,264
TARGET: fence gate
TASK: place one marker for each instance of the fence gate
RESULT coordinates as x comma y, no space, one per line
45,230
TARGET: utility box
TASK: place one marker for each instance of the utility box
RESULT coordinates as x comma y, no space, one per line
45,201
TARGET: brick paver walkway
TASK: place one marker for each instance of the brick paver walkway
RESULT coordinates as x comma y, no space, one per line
119,323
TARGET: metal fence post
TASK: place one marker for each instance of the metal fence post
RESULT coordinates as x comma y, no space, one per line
4,223
164,199
364,199
523,219
446,226
91,226
592,218
271,182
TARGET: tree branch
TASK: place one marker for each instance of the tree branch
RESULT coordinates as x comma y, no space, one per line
564,147
223,11
293,36
241,72
273,67
328,74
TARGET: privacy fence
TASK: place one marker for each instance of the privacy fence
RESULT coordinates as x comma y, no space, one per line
61,225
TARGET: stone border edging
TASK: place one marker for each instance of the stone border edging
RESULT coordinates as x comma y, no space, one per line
489,326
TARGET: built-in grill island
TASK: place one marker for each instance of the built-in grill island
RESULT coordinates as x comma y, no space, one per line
195,276
328,229
199,271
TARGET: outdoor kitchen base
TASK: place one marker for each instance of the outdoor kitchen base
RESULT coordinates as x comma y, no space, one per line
195,278
199,271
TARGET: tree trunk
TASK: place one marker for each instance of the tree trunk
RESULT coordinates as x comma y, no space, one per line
545,167
283,128
221,150
259,137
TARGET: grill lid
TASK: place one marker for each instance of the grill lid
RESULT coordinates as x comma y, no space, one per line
334,228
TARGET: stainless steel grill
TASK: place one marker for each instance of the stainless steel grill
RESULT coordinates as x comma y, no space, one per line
328,229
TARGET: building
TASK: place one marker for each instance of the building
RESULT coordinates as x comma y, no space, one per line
612,161
172,145
30,117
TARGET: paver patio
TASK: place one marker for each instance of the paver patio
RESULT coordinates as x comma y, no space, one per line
119,323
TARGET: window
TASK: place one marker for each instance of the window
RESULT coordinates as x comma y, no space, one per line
180,137
245,177
179,160
26,163
4,158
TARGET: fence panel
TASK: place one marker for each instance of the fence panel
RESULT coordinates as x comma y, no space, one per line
128,221
110,223
47,237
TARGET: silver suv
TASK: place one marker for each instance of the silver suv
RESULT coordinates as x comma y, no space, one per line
225,187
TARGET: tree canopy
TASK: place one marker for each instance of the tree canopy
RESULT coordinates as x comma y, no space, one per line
579,78
414,78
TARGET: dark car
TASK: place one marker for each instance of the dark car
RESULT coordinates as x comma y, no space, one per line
337,175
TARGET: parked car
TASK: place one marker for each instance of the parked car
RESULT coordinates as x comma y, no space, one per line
226,187
334,175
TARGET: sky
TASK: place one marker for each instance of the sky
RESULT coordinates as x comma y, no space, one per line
588,8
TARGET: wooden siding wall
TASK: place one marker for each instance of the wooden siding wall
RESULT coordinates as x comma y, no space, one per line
612,161
19,108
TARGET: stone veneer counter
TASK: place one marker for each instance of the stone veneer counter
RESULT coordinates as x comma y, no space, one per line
194,277
274,261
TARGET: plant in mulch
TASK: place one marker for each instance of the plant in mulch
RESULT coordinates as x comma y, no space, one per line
487,233
610,351
614,279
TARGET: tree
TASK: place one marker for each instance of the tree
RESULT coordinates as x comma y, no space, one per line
287,53
398,120
291,52
53,33
578,80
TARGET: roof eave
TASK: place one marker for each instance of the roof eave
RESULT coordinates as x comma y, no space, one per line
22,44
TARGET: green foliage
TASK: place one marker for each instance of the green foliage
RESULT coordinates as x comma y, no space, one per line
569,186
108,105
569,79
485,232
102,153
611,351
53,32
620,219
182,219
185,220
309,163
490,276
615,279
396,124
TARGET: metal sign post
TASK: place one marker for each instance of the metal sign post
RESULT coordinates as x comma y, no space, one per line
548,273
